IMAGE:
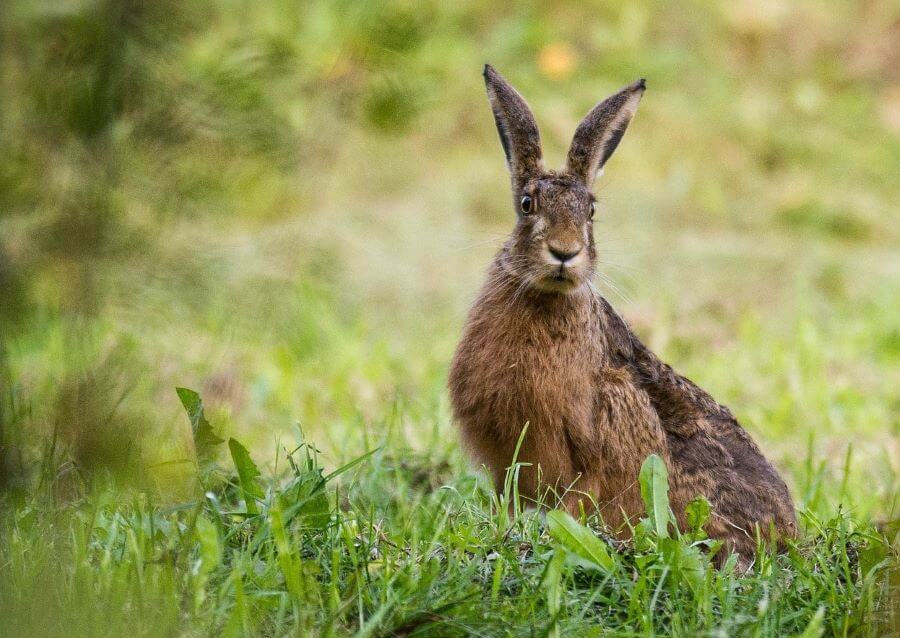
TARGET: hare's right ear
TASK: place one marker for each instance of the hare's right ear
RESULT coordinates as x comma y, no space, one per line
517,128
599,133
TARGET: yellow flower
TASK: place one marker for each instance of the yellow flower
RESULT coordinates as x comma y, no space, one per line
556,61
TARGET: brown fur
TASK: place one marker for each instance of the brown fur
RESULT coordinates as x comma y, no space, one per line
542,347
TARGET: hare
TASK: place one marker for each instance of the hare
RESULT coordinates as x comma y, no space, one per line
542,347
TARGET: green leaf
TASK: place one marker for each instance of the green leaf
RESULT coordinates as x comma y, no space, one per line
205,439
208,538
248,474
654,480
306,497
579,540
697,513
552,584
686,562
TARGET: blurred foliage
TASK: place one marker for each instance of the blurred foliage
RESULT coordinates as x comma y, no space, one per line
290,205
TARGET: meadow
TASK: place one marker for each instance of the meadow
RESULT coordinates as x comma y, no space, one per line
237,245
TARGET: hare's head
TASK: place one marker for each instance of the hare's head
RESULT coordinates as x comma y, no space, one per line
552,247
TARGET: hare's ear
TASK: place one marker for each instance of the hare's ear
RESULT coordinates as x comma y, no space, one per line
599,133
517,128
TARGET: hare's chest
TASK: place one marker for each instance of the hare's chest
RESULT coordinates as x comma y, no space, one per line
546,379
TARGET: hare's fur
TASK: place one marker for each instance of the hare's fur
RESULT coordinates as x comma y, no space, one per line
551,352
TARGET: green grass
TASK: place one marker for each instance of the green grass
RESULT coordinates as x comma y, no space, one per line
290,209
404,545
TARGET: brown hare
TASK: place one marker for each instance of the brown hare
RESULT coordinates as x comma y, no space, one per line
543,347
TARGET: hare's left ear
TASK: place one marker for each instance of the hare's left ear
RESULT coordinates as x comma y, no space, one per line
599,133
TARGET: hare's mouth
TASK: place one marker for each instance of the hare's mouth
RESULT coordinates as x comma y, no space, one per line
560,280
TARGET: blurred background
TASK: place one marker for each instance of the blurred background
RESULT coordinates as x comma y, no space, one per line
288,206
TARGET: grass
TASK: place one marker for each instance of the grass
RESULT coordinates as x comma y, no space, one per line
403,542
290,211
408,547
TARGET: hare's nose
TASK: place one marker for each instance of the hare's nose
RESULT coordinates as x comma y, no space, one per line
563,255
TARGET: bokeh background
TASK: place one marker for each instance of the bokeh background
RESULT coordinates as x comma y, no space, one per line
289,206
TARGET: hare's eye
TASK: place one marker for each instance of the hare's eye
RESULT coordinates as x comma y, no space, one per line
526,204
593,209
